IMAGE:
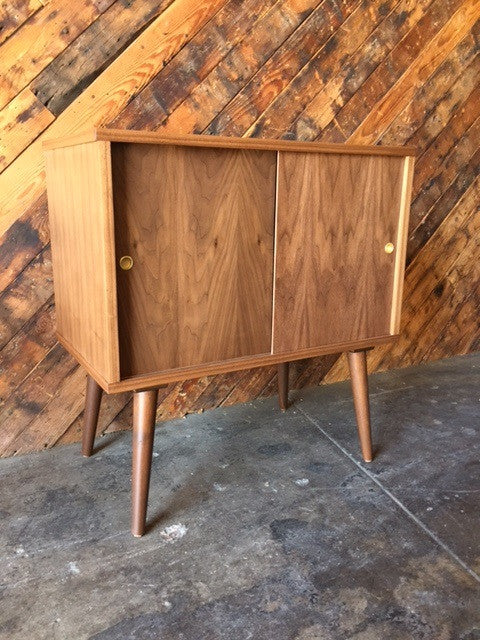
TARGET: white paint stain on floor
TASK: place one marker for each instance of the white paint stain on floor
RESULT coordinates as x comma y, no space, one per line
173,532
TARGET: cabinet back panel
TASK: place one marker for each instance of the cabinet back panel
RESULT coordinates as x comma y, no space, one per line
334,280
198,224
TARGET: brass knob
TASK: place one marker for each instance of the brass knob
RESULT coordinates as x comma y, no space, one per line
126,263
389,248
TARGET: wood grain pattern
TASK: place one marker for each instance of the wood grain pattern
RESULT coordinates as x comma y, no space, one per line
63,80
104,98
431,292
222,84
364,44
328,62
424,63
333,279
14,13
81,223
40,39
237,68
279,69
27,293
21,121
198,224
422,21
25,412
210,49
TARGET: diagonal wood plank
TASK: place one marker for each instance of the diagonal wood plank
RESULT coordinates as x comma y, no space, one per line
40,39
14,13
432,55
467,168
23,181
279,69
447,139
21,121
328,61
455,153
43,429
391,68
28,348
23,241
319,73
207,49
435,100
350,87
196,112
78,65
32,288
30,398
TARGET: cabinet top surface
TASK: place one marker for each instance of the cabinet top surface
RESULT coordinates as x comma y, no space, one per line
221,142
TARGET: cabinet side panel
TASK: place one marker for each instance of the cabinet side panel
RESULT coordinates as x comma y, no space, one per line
82,235
334,279
198,224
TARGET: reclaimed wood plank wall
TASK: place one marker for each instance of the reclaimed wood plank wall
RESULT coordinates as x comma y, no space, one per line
379,71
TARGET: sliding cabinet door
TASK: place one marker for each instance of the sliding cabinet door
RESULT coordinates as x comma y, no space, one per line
336,248
198,225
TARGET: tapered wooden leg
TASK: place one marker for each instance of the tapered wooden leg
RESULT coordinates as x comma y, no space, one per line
357,361
144,408
93,399
283,385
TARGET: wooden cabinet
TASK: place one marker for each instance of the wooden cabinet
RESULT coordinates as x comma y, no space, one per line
180,257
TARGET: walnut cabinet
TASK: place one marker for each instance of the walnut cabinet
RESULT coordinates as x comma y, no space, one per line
178,257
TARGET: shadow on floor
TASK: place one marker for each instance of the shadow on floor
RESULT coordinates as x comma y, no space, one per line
283,532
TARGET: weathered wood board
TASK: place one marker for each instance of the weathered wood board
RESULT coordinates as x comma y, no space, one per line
388,71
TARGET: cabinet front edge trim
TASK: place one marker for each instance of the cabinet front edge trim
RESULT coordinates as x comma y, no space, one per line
156,379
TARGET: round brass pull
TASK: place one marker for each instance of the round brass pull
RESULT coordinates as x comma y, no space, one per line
126,263
389,248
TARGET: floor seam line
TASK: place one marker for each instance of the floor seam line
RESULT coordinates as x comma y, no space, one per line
394,499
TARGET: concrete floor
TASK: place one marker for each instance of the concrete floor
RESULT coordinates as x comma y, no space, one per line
283,533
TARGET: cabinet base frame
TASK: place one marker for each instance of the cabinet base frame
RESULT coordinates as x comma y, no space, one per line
159,379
